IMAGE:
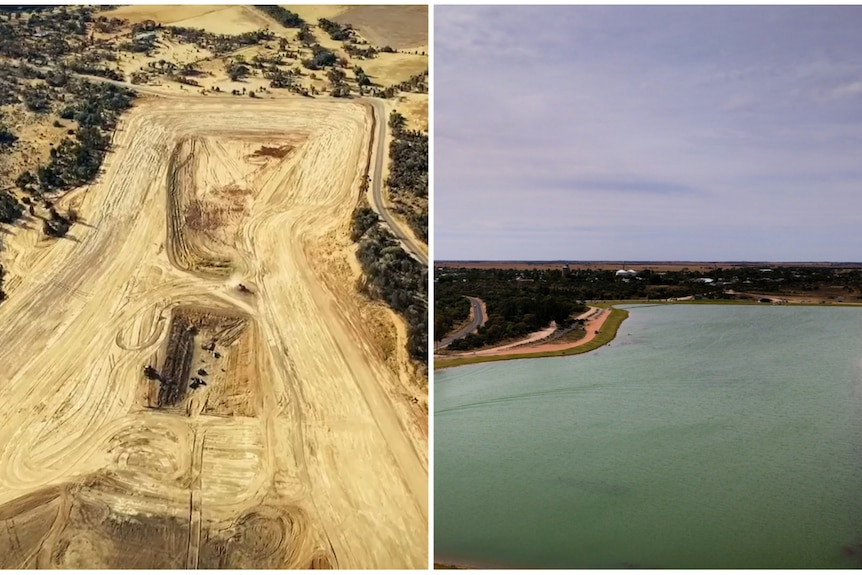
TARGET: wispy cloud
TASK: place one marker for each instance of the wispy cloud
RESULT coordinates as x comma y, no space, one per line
738,102
649,132
848,90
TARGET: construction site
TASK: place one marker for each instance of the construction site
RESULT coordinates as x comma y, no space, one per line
190,377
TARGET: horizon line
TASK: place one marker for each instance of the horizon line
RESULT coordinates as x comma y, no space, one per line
474,261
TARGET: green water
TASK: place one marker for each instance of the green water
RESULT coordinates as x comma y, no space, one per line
702,437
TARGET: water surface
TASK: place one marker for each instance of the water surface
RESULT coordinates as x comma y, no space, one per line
703,436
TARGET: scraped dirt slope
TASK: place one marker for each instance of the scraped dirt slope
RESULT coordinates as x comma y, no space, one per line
291,454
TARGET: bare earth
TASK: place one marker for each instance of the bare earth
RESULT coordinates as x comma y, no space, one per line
298,451
595,319
533,337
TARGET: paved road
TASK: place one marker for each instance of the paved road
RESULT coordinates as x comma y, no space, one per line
377,185
478,321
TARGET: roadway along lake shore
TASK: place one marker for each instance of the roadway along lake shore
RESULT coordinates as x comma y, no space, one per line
606,323
601,328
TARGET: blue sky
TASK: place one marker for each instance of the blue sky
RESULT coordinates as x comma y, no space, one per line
648,133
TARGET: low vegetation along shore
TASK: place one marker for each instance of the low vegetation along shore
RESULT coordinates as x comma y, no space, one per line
607,331
519,302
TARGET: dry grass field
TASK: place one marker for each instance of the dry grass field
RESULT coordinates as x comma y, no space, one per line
402,27
217,19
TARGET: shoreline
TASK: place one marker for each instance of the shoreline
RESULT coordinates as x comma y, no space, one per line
450,563
614,318
606,323
594,318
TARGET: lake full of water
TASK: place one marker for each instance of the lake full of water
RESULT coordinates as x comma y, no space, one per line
704,436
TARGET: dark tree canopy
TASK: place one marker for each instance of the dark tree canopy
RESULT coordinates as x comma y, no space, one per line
281,15
394,277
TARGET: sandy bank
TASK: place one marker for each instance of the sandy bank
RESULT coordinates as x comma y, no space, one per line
597,319
594,319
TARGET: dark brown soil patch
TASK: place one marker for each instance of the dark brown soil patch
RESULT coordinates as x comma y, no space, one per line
273,152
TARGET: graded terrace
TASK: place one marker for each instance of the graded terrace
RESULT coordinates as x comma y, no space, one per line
188,380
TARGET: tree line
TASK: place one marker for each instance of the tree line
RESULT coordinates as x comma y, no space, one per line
391,275
76,160
522,301
46,35
515,308
450,310
283,16
408,172
336,31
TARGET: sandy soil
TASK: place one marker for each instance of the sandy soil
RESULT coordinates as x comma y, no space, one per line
595,319
36,135
295,453
177,53
531,338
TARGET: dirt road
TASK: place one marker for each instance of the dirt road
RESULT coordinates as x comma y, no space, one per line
200,233
594,318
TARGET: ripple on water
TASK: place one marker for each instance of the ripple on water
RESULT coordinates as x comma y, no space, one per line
717,436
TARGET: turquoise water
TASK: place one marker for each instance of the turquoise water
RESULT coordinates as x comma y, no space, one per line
702,437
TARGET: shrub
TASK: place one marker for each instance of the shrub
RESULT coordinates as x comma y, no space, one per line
10,209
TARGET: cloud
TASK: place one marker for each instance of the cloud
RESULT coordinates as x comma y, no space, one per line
615,185
849,90
729,119
738,102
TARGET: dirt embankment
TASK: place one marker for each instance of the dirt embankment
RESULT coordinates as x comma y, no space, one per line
594,318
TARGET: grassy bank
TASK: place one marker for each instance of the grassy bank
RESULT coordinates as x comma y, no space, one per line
607,334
